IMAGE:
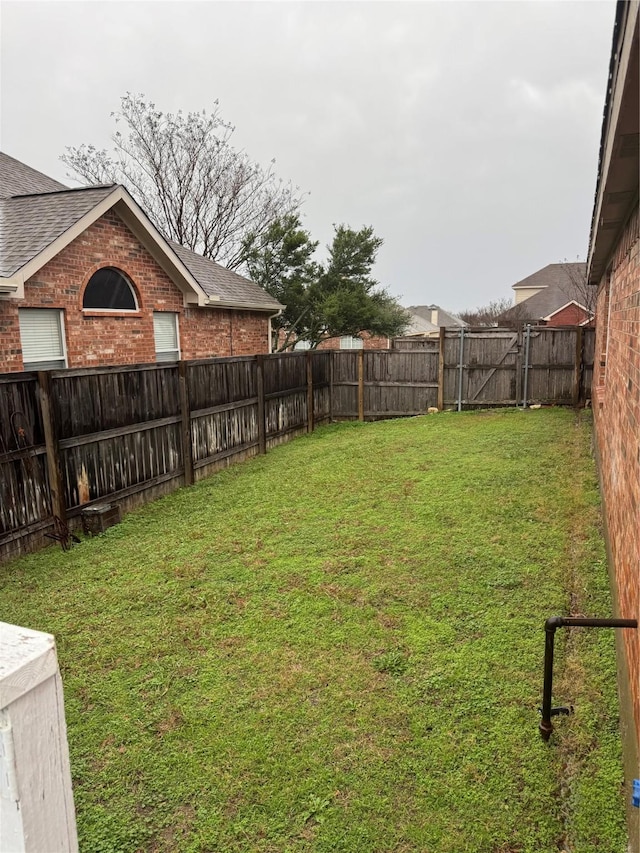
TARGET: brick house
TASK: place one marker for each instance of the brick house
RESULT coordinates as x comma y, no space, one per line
424,322
614,271
87,280
556,295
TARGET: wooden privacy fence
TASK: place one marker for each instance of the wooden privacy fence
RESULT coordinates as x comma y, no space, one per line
71,439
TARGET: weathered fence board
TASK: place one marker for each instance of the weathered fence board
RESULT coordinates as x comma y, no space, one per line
25,501
223,401
285,390
75,437
345,385
99,400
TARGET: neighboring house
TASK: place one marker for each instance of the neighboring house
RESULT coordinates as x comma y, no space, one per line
556,295
614,269
87,280
349,342
420,326
362,341
430,318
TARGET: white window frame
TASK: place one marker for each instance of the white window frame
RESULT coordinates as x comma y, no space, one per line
177,351
351,342
62,361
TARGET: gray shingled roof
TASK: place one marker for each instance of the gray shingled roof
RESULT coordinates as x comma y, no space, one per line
444,317
17,178
562,283
28,224
553,275
419,325
216,280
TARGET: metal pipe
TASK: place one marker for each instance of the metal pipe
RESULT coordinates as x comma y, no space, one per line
460,368
550,627
526,366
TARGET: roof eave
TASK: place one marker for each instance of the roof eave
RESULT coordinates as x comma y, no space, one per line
11,287
218,302
617,182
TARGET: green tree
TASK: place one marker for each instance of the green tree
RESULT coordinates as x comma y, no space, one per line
325,300
280,259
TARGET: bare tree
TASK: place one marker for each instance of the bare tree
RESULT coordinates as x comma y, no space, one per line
487,315
184,172
578,288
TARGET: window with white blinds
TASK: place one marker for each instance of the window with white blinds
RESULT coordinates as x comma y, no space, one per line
349,342
42,337
165,329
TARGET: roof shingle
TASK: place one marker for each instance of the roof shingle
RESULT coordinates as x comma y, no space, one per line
218,281
28,224
17,178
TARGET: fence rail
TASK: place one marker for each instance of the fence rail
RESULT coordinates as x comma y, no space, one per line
70,439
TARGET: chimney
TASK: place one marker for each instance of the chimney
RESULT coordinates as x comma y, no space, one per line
434,316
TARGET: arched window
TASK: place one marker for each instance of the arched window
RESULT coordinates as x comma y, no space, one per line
109,290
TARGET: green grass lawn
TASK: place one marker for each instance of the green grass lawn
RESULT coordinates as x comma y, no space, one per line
338,647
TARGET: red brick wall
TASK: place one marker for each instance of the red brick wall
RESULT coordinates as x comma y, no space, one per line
212,331
617,424
572,315
369,342
97,338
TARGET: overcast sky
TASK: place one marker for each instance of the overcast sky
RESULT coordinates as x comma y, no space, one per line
465,133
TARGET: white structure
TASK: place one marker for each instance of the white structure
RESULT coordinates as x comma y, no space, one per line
36,801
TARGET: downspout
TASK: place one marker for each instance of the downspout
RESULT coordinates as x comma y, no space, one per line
230,332
270,347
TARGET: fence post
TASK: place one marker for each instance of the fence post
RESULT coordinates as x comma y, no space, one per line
519,369
577,378
185,426
262,430
361,384
58,506
525,392
309,391
461,368
331,357
443,333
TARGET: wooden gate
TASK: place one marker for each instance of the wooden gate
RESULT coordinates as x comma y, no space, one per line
481,368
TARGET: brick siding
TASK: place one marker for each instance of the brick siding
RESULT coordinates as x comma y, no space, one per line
370,343
571,315
101,338
617,427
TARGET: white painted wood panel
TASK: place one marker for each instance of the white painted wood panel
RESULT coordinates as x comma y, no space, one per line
36,799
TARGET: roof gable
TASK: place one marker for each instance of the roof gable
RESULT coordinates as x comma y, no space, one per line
37,225
582,308
560,285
